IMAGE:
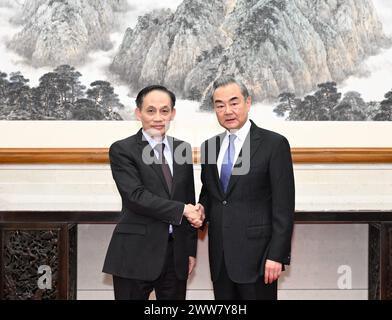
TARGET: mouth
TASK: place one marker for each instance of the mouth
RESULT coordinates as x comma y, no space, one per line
231,120
158,127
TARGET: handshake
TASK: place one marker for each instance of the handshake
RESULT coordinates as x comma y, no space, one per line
195,214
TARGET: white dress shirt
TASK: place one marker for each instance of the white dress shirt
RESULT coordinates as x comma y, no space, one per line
167,152
238,143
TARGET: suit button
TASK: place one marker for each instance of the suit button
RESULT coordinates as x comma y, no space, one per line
224,202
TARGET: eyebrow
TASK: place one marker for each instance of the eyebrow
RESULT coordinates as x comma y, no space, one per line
230,100
159,108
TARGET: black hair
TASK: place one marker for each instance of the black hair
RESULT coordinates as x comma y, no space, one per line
224,81
145,91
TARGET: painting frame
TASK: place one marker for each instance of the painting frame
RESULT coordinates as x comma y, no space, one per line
28,142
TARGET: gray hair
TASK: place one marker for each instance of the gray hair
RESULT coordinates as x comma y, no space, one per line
224,81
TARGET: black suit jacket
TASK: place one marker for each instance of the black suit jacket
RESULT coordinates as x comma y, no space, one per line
253,221
138,245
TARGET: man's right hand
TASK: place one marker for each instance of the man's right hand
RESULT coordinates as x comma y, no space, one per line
194,215
200,207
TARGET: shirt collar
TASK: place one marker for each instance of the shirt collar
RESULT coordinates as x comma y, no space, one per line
242,132
153,141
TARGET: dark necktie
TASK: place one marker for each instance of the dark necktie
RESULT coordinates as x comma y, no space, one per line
227,163
160,147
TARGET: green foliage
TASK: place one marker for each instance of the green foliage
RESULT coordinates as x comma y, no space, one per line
59,96
326,104
262,19
385,111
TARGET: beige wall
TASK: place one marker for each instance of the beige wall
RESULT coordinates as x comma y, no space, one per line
318,250
95,134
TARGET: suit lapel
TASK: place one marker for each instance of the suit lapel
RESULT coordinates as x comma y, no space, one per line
176,166
147,152
214,167
253,140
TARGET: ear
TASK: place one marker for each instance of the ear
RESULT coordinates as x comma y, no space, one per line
138,114
173,114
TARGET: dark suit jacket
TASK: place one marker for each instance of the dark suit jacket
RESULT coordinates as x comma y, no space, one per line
138,245
253,221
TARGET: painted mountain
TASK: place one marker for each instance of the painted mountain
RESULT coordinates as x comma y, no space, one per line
274,46
59,32
315,60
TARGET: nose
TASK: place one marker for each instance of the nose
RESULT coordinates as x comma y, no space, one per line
157,117
228,109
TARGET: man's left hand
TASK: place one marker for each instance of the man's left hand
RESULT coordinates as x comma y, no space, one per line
272,271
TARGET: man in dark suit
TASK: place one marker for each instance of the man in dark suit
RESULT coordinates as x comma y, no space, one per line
248,199
153,246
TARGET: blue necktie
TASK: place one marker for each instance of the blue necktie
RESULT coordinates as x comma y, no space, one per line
227,164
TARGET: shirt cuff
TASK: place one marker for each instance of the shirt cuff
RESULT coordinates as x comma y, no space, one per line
183,212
